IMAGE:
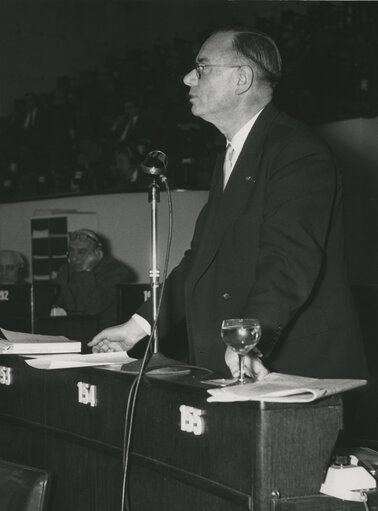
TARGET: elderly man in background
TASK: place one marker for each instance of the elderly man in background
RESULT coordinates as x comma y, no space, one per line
11,267
87,282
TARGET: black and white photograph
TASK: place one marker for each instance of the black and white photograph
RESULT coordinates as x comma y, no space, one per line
188,255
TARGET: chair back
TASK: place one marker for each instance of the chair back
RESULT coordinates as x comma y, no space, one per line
23,488
16,307
129,298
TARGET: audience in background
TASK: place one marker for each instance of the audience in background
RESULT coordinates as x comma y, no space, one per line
126,172
126,123
12,267
87,282
65,142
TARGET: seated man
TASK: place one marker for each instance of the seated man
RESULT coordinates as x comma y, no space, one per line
128,171
87,282
11,267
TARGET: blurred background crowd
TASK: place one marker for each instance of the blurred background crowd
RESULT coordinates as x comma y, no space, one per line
91,133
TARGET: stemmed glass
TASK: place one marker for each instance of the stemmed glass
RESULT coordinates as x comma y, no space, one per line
241,335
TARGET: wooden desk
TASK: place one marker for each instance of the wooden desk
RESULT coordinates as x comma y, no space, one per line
247,455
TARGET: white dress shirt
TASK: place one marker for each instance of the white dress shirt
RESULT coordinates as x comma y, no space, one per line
237,141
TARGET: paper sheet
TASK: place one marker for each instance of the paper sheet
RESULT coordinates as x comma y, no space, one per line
75,360
284,388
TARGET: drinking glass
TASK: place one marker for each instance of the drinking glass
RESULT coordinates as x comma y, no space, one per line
241,335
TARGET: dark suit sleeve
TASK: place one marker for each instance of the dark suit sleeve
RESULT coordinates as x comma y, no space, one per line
299,198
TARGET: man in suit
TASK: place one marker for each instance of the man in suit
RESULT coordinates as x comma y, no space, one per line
134,125
87,282
269,242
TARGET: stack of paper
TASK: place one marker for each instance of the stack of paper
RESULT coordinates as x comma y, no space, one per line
284,388
24,344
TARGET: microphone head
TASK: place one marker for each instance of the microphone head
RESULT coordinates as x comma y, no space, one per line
155,163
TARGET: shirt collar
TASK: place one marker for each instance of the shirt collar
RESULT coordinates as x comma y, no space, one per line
240,136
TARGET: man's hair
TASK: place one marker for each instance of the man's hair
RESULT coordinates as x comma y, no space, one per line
86,234
261,50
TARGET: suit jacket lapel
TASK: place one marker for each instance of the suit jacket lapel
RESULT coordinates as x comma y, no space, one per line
227,204
215,197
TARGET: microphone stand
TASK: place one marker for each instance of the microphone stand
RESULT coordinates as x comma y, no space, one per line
158,363
154,199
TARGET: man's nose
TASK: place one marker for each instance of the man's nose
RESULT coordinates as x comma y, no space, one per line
74,256
191,78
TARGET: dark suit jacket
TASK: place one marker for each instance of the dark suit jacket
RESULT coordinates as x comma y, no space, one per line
92,292
142,128
271,247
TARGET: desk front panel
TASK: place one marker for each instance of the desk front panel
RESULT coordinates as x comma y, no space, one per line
244,452
22,390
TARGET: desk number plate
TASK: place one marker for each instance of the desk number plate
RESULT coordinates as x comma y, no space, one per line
192,420
5,375
87,393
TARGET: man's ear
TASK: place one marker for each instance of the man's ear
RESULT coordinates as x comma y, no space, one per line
99,253
245,80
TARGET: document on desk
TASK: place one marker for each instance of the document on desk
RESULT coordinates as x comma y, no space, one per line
284,388
21,343
75,360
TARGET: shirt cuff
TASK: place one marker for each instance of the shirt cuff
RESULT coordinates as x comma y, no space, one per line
143,323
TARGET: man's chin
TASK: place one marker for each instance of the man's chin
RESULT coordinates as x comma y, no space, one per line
77,268
195,110
199,113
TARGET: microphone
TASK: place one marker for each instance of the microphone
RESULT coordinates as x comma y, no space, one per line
155,163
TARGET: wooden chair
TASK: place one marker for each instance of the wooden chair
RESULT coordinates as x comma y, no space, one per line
23,488
129,298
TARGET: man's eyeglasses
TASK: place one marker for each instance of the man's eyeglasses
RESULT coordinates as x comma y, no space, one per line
199,68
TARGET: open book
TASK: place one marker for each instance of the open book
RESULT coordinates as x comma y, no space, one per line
284,388
25,344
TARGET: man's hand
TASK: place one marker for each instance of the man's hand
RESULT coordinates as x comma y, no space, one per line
253,366
117,338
